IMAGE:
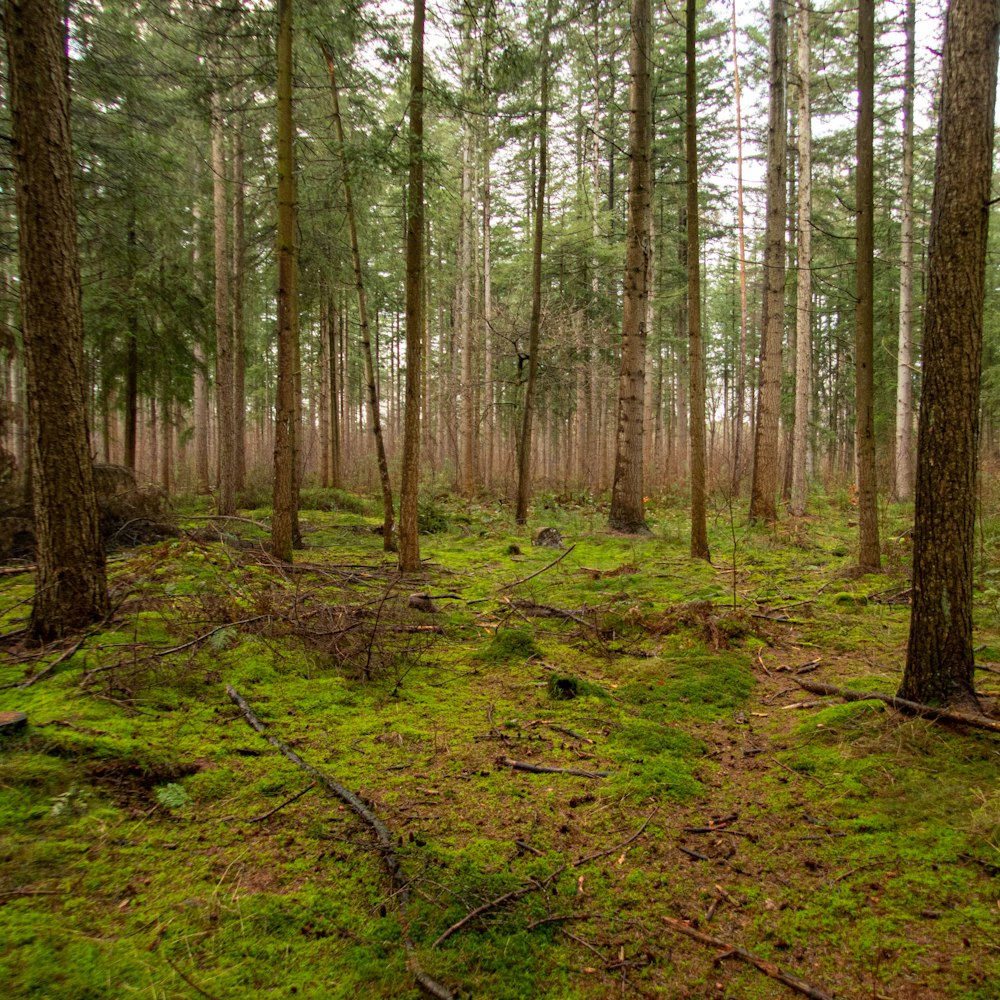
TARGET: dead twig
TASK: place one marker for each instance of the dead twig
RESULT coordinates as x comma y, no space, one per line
538,572
735,951
287,802
61,658
931,712
518,765
508,897
618,847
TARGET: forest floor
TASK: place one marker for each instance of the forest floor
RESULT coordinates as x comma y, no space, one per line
153,844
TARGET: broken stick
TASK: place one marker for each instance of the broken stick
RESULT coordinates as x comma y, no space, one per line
519,765
768,968
932,712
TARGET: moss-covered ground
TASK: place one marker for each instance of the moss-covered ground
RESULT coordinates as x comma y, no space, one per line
152,844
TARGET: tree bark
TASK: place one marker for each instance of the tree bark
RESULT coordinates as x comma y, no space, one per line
409,538
763,506
527,417
283,522
904,377
627,508
939,664
70,584
696,368
225,382
869,557
803,288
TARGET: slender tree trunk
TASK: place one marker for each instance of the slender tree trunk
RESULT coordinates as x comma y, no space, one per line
763,505
374,407
409,538
489,396
803,289
283,522
940,662
201,387
904,376
627,508
741,371
70,584
869,558
224,355
534,328
239,335
696,370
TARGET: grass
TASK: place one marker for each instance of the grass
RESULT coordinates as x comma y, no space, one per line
136,856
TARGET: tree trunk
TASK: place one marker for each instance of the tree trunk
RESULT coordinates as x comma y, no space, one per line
283,522
803,288
239,319
627,508
741,376
224,358
763,506
939,664
70,584
696,369
374,408
869,557
409,538
904,377
524,442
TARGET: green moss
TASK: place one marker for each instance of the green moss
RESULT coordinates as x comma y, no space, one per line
510,644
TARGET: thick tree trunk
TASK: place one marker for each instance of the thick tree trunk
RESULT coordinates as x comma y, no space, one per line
904,377
284,520
763,506
70,584
696,369
939,664
627,507
803,288
409,538
869,557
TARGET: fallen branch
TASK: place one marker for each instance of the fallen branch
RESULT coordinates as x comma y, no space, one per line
17,570
735,951
390,861
538,572
61,658
518,765
904,705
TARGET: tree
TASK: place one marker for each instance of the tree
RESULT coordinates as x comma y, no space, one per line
534,325
904,378
627,505
374,408
409,537
283,522
763,506
696,366
869,557
940,662
70,585
803,287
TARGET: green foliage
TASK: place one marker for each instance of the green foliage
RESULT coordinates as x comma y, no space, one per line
173,796
431,517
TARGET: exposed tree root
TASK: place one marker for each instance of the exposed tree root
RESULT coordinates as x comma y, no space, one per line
731,950
390,860
904,705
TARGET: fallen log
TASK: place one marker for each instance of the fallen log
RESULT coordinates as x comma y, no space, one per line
735,951
932,712
390,860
